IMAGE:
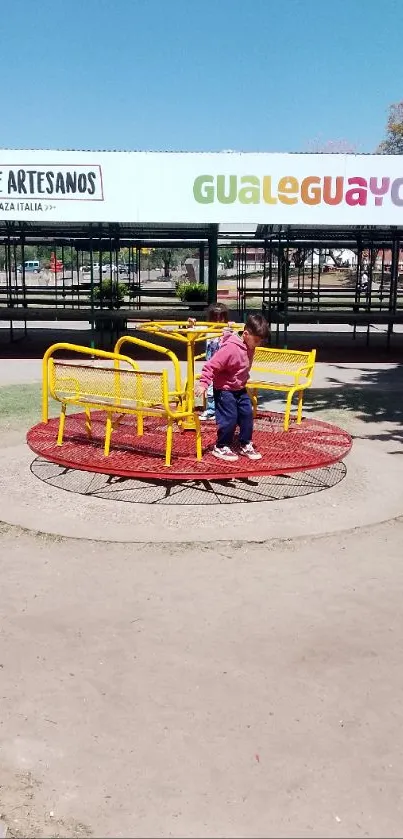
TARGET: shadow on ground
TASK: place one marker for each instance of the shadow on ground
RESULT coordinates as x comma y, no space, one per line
185,493
376,397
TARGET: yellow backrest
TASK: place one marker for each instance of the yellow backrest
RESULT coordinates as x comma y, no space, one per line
106,385
74,349
288,363
133,339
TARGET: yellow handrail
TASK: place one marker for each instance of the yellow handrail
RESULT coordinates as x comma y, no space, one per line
131,339
82,351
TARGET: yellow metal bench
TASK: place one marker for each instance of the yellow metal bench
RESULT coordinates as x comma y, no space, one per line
288,371
178,393
115,389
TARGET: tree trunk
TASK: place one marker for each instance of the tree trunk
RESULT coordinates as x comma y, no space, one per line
167,263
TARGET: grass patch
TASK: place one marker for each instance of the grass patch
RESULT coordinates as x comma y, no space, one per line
20,401
20,406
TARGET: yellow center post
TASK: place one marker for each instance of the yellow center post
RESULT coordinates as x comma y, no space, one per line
189,334
189,423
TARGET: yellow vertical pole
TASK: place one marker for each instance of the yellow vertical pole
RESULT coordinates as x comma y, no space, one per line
188,423
61,425
288,410
45,389
299,412
190,372
140,424
199,451
108,434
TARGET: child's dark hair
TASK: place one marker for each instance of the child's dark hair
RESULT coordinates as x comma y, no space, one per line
257,325
217,313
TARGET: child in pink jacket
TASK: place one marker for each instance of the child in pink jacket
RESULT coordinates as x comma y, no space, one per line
228,372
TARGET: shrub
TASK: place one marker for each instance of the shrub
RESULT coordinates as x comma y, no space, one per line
110,293
191,292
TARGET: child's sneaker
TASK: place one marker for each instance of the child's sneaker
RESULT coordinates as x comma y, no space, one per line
224,453
206,415
249,451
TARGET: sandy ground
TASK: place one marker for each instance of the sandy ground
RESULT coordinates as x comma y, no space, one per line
227,691
211,690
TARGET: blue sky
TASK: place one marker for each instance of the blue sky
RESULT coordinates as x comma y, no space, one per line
198,75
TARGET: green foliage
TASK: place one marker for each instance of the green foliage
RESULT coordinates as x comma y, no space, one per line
393,142
226,257
40,252
110,293
168,258
191,292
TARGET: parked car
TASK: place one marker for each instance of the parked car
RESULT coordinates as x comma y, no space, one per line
86,269
32,266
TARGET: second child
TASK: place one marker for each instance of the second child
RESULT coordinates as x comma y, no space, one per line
217,313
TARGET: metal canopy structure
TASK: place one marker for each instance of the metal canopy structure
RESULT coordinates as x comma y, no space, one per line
316,238
69,230
289,286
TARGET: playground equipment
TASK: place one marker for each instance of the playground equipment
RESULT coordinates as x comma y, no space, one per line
188,333
287,371
143,408
115,391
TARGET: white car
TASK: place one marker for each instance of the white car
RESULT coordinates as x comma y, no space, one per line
86,269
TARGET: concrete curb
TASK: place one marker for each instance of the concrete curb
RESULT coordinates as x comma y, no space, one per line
369,494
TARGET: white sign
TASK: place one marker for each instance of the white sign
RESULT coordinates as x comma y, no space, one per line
226,188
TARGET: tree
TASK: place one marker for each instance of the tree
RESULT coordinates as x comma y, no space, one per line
168,258
337,256
300,256
393,142
226,257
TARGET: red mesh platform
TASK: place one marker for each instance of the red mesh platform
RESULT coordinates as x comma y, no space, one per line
307,446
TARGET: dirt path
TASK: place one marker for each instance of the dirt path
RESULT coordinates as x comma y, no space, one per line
231,691
212,690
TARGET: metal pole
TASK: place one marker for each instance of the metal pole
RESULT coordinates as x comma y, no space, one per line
55,271
92,342
139,273
311,282
245,275
238,289
357,280
212,266
279,261
319,274
79,275
63,280
270,277
101,291
24,290
285,284
8,278
369,289
201,264
394,276
382,277
15,272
